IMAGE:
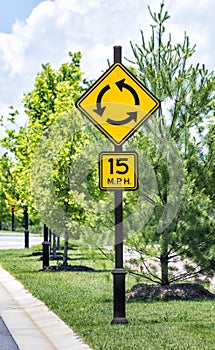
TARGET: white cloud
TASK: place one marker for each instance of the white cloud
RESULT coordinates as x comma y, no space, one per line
93,27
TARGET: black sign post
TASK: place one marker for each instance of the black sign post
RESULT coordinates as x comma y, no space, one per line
25,224
118,128
46,247
119,272
12,218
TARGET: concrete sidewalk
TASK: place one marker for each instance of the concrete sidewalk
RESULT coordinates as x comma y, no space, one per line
27,324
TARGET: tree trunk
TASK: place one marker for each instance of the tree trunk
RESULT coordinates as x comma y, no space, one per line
54,249
164,269
50,237
65,252
164,261
58,242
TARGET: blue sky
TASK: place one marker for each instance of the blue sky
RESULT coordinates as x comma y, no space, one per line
35,32
12,10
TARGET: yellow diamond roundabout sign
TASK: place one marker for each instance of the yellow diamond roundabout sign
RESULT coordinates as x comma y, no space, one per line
117,103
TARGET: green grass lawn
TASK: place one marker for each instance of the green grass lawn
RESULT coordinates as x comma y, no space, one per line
84,301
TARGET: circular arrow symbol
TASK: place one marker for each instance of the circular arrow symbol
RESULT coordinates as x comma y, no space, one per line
121,84
99,109
132,116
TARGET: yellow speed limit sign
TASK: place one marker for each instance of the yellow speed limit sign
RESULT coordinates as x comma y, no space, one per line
118,171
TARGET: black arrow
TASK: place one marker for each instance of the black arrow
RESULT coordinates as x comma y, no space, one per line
132,116
99,109
121,84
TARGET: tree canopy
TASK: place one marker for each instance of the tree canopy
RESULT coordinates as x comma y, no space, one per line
54,169
181,130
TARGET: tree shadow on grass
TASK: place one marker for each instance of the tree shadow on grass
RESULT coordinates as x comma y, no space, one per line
72,268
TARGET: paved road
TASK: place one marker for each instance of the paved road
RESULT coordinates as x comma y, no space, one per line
11,240
7,341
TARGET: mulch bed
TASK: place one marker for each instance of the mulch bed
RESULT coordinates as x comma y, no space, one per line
178,291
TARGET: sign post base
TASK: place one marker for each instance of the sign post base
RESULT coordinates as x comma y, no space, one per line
119,296
119,320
